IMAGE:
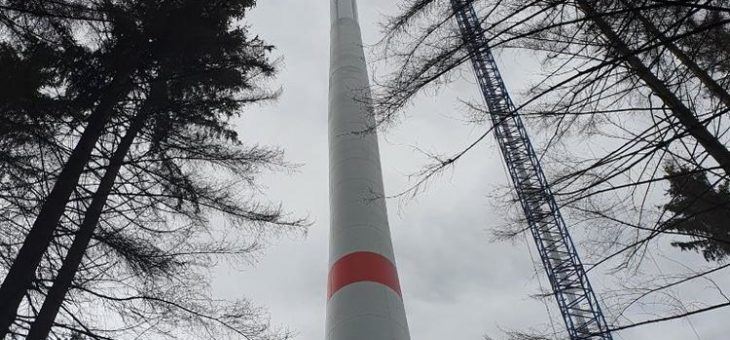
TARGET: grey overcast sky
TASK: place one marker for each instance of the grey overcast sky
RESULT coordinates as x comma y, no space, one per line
457,282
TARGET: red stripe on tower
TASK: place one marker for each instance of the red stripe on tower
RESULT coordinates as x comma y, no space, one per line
362,266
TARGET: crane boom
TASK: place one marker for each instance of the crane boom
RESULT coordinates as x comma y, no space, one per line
577,301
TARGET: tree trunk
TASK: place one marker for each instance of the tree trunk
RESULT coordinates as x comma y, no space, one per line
711,84
686,117
22,272
41,327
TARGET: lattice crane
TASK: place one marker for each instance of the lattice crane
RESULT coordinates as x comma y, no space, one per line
577,301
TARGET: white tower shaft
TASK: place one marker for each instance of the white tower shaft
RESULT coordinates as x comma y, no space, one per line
364,299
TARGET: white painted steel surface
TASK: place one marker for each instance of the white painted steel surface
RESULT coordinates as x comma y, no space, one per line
362,310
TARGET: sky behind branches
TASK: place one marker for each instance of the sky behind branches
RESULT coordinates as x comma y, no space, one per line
457,282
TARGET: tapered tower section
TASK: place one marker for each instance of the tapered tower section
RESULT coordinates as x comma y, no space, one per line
364,299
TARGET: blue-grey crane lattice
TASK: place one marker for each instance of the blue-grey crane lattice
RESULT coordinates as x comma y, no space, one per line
577,301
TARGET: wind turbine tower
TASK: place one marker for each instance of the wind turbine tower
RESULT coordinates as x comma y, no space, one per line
364,299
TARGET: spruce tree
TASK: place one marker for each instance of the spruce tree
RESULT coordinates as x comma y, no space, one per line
700,209
167,80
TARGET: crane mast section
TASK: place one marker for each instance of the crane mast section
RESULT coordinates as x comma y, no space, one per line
577,302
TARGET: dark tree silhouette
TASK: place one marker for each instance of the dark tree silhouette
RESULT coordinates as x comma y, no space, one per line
21,272
701,209
152,97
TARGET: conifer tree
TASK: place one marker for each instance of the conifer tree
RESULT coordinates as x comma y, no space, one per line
160,90
701,209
